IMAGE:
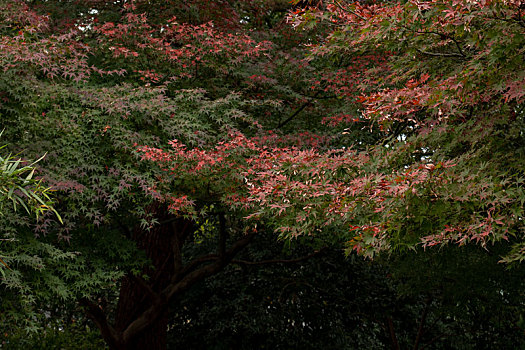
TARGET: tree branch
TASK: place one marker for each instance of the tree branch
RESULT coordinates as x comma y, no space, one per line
179,237
392,333
177,250
196,262
441,35
124,229
433,340
319,97
109,333
349,11
297,111
144,285
222,236
440,54
279,261
174,288
422,323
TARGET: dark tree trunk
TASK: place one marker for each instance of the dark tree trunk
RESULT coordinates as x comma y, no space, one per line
141,318
132,302
137,293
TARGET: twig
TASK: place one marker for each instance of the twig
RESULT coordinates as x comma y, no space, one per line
441,35
349,11
297,111
279,261
440,54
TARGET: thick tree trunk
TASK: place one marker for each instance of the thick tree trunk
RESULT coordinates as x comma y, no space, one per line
137,293
132,302
141,318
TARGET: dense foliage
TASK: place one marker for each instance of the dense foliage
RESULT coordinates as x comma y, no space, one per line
177,133
451,299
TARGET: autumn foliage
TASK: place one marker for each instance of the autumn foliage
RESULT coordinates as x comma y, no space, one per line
379,126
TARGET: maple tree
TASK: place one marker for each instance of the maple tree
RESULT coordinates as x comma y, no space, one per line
451,90
384,126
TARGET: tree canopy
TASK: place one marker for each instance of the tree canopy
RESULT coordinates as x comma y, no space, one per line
177,133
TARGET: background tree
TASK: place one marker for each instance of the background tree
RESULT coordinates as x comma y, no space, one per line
448,89
458,298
